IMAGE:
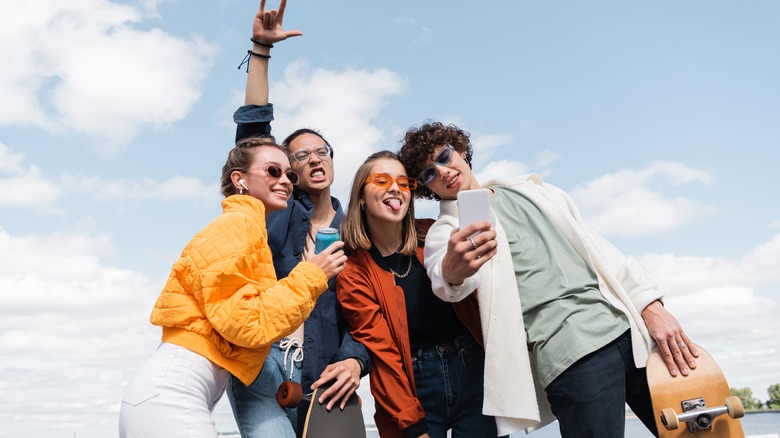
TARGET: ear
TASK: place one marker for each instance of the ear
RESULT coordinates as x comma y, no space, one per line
235,177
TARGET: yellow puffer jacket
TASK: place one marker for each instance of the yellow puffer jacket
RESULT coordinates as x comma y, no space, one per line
222,299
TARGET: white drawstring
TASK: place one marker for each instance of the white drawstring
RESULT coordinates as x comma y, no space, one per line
296,345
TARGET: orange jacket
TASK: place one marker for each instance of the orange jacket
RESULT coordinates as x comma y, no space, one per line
375,309
222,299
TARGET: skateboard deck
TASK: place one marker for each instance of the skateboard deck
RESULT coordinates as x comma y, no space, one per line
699,405
321,423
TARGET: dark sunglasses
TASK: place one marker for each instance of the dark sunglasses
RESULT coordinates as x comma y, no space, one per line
386,181
276,172
428,174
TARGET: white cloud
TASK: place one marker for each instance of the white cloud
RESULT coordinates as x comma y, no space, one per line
15,189
344,106
72,331
10,161
85,66
730,307
23,180
500,168
627,203
486,145
172,189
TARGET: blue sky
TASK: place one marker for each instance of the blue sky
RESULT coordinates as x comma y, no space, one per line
660,118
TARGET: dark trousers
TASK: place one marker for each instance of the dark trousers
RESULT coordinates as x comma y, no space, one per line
589,398
449,379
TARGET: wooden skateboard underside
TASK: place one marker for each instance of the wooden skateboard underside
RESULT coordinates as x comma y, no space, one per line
704,383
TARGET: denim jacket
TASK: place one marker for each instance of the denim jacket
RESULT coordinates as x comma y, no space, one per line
326,333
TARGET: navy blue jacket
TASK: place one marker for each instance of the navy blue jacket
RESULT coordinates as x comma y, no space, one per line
326,334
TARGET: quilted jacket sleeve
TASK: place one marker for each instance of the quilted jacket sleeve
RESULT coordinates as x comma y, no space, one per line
240,294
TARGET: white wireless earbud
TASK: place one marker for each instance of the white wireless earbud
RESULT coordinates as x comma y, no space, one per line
243,184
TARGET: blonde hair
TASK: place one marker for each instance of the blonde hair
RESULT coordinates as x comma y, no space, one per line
354,226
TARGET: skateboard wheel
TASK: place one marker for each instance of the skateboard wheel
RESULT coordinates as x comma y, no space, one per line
735,408
669,419
289,394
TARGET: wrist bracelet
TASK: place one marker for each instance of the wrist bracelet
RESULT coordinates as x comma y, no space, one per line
259,55
250,53
260,43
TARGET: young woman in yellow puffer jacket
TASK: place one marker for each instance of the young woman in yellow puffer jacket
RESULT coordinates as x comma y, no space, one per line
222,306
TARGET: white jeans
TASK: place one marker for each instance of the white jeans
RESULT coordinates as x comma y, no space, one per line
172,395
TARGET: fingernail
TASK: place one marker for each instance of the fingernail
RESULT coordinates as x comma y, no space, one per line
674,373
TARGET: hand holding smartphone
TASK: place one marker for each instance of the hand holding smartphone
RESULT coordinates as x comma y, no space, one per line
473,206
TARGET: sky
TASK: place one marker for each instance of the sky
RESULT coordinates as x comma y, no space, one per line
661,119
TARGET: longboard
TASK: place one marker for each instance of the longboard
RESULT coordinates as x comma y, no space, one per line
699,405
319,422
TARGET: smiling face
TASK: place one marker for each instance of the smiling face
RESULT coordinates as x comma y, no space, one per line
273,191
316,173
452,177
386,204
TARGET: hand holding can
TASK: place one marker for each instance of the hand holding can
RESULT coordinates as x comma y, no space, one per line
331,262
324,238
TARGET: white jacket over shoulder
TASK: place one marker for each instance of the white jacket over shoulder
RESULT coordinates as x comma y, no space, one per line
510,392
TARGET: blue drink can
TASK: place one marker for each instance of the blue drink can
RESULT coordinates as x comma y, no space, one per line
324,238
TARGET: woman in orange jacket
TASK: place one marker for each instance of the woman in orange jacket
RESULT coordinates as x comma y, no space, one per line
427,374
222,306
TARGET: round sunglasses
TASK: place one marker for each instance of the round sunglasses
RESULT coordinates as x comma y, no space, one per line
442,159
275,171
386,181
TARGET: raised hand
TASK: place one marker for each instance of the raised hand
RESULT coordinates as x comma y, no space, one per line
267,25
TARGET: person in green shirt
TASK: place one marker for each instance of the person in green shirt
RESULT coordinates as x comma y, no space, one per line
588,313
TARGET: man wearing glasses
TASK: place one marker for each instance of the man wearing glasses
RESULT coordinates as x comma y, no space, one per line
321,350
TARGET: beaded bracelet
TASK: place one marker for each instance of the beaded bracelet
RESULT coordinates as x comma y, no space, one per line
260,43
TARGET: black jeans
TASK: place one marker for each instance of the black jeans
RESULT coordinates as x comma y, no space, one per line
589,398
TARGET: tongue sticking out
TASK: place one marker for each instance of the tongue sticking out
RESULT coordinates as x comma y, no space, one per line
394,204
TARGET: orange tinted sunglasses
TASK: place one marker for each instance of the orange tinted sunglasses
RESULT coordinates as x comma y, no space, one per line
386,181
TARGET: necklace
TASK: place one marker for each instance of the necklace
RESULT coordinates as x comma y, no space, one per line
408,269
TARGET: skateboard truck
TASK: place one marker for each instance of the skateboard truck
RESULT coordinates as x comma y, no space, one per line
698,416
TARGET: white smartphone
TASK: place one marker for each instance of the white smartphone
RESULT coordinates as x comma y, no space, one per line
473,206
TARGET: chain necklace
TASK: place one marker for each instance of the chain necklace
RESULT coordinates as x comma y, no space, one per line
408,269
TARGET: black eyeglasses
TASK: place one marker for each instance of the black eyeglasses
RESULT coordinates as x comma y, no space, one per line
386,181
428,174
276,172
304,155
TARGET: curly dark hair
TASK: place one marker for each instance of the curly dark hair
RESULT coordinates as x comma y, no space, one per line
419,143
